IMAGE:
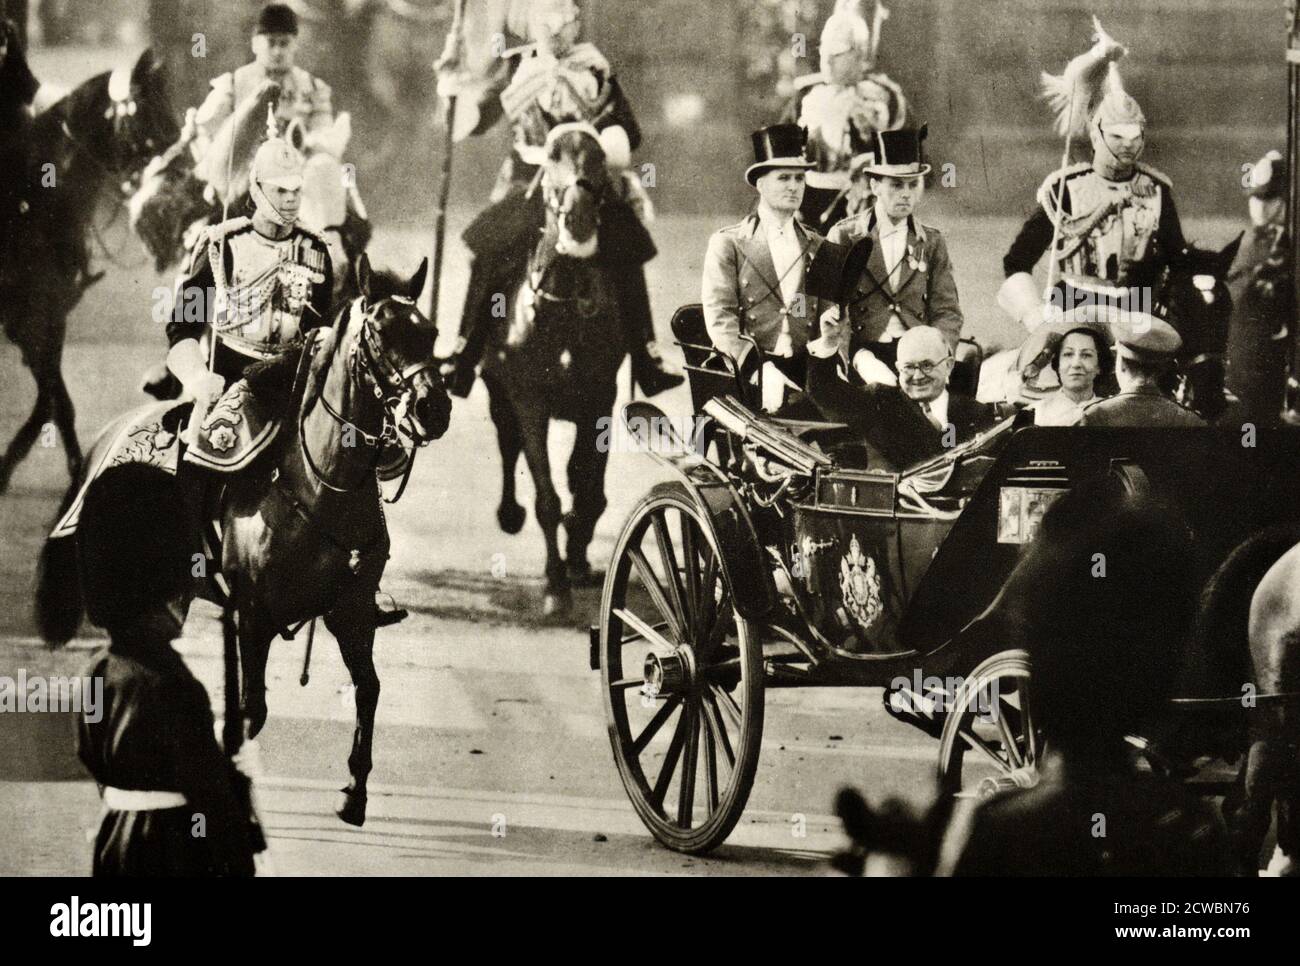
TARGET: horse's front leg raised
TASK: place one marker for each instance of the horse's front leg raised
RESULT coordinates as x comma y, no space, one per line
352,623
26,436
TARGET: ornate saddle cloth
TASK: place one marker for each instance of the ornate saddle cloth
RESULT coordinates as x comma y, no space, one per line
148,435
233,433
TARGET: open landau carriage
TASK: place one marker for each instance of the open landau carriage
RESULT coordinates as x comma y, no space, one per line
774,562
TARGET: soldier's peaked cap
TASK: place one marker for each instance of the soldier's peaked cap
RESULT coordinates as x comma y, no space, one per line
277,162
276,18
1144,337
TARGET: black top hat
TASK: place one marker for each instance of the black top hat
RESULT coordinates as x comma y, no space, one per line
277,18
898,154
778,146
835,269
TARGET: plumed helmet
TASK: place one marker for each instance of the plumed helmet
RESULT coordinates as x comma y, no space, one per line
846,29
277,163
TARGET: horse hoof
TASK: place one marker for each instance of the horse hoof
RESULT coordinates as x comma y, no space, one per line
581,575
511,518
256,719
556,603
352,808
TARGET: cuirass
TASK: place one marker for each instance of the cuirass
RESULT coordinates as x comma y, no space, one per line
260,305
1110,226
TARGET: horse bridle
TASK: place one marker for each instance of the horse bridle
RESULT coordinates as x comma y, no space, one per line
392,385
554,198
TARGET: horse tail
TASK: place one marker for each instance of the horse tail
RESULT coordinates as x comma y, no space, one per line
59,606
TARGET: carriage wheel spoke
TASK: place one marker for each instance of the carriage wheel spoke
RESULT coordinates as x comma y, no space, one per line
979,744
710,756
670,763
1027,726
686,793
657,722
1008,739
622,684
728,704
708,605
691,569
656,592
715,716
651,635
671,575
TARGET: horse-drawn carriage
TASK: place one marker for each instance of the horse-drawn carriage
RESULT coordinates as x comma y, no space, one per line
771,561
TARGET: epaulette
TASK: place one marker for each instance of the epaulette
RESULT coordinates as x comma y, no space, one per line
228,227
1155,173
311,233
809,80
1047,190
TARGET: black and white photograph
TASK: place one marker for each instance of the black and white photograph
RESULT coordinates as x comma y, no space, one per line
695,438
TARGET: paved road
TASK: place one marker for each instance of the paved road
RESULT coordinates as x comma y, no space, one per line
489,717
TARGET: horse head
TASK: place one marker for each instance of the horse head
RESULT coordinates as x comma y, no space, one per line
1195,297
140,112
390,351
575,183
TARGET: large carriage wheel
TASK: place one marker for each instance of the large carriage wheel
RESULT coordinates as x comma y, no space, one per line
682,675
990,740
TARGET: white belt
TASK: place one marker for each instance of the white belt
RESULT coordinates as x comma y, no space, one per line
131,800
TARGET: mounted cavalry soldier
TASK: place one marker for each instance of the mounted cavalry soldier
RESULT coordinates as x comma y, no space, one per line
553,80
1110,223
842,107
259,282
301,98
18,87
908,279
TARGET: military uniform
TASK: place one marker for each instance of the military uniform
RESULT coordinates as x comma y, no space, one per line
841,121
1143,407
258,294
1152,343
1114,234
302,97
545,91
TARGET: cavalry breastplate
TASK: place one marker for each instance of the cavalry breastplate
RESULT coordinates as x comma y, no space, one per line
1110,227
260,306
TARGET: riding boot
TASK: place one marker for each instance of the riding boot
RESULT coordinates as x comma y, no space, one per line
639,335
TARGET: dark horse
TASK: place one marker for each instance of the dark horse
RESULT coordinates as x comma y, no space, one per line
1194,296
94,141
302,529
556,357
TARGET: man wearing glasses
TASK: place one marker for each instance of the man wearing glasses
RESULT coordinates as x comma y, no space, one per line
905,424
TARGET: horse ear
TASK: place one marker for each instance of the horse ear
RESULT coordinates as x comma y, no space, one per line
145,64
416,286
363,275
1228,255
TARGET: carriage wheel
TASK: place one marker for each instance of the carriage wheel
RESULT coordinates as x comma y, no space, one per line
682,675
990,740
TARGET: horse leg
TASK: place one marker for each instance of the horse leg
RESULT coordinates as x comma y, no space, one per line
255,636
25,438
586,476
352,624
534,423
1258,786
65,418
510,515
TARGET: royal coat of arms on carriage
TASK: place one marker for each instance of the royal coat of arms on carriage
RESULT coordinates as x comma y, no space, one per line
860,586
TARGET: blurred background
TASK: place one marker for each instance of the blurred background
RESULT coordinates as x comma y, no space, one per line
701,75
